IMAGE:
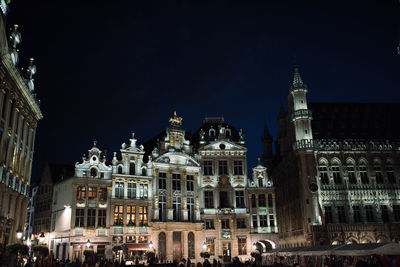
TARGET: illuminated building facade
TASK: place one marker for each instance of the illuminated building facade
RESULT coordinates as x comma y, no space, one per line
183,195
19,116
337,175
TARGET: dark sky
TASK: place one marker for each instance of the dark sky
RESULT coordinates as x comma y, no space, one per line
107,68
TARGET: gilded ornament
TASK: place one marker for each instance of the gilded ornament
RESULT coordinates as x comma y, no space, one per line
175,120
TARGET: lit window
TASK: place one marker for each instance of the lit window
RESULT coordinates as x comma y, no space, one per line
143,216
92,194
118,213
242,246
130,215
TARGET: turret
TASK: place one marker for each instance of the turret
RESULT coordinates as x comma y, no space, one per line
299,113
267,140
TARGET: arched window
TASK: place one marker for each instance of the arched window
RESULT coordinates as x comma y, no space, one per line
363,171
132,169
211,132
228,132
93,172
350,171
337,176
162,247
191,245
144,172
323,171
119,169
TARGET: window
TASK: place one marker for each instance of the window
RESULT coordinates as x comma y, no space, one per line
209,224
143,191
390,175
396,212
364,175
356,214
341,214
253,201
260,182
191,250
323,174
130,215
132,170
240,223
93,172
81,192
118,213
162,246
102,194
144,172
369,213
328,214
190,207
223,167
176,182
242,249
190,183
79,217
237,167
337,178
208,199
91,217
119,190
162,180
270,202
210,246
352,175
255,223
176,204
378,175
207,167
261,201
101,218
119,169
384,213
271,220
92,194
131,190
162,204
143,216
143,239
239,199
225,224
263,221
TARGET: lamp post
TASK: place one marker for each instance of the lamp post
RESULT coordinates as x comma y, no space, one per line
254,246
88,243
19,232
204,246
151,245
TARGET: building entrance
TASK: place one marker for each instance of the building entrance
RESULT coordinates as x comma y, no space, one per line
226,251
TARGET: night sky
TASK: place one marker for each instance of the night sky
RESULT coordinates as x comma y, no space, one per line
107,68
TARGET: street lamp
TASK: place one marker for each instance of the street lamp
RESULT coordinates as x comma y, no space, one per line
254,246
204,245
151,244
19,232
41,237
88,243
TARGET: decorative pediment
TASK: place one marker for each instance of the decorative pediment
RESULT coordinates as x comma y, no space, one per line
224,145
177,158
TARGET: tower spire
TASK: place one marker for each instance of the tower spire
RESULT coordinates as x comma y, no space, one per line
297,81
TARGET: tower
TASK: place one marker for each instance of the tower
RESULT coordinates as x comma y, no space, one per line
267,140
300,115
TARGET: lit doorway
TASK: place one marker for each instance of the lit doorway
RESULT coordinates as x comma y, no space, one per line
226,251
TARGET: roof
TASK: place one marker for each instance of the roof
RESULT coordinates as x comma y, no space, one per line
355,120
61,172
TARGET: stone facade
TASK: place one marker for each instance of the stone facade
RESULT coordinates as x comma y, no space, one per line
337,174
183,195
18,120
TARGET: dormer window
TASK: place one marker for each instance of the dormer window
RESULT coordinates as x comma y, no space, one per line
260,182
228,133
93,172
119,169
143,172
132,169
94,158
211,133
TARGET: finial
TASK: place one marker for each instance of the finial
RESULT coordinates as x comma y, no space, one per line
94,143
259,161
16,27
175,120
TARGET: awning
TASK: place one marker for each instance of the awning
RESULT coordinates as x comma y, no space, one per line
138,246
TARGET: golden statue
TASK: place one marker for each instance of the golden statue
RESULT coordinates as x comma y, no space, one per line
176,120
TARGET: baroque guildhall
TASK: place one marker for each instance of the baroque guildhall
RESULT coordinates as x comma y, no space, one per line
177,194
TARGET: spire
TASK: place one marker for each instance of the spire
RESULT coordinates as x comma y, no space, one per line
266,130
297,82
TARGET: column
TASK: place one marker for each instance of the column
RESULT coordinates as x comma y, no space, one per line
184,244
125,190
109,209
113,189
274,209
